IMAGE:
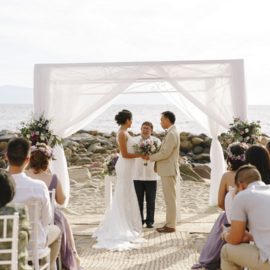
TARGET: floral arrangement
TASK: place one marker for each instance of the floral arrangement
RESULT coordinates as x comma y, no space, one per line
244,131
38,131
146,147
110,163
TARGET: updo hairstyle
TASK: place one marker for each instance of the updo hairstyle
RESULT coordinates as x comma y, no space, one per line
122,117
40,157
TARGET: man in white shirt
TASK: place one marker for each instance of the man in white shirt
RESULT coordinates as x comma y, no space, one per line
28,190
250,207
145,179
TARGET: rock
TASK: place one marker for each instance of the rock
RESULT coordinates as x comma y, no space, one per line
202,158
6,135
96,148
103,141
74,158
3,146
196,140
198,150
70,144
82,137
68,153
185,146
207,142
82,151
206,150
188,174
79,174
83,160
93,132
203,170
184,136
3,163
107,135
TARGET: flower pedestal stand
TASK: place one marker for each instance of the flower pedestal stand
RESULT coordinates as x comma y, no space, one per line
108,183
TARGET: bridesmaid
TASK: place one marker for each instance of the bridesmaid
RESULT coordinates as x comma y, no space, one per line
41,156
210,254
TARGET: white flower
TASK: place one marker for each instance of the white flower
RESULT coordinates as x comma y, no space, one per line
153,148
246,130
37,132
28,136
42,138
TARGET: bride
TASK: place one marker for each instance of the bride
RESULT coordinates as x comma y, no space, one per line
121,227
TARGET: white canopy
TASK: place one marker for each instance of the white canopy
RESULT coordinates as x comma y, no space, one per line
212,92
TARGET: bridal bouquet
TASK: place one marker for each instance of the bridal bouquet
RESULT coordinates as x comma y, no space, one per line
146,147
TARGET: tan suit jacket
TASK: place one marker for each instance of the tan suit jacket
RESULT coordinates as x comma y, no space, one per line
167,157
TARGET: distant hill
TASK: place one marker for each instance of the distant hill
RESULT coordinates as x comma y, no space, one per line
10,94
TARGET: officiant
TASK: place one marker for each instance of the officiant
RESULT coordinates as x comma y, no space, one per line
145,179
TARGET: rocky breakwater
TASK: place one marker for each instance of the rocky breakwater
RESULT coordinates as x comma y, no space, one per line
91,149
195,147
87,153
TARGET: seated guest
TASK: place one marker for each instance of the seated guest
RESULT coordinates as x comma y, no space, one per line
258,156
250,208
7,192
41,156
210,254
28,190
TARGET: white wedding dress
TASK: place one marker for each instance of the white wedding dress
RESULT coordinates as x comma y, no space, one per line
121,227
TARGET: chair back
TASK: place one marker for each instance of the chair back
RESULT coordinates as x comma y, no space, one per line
35,252
9,239
52,199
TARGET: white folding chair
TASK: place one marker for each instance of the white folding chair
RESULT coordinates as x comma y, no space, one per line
35,253
53,205
10,238
52,199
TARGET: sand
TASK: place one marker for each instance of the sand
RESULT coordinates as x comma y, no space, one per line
178,250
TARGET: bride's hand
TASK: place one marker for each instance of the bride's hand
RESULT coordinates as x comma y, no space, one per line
145,157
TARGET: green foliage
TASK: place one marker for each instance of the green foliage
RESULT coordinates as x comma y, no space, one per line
244,131
38,131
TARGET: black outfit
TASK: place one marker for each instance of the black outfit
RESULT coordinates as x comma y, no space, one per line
149,189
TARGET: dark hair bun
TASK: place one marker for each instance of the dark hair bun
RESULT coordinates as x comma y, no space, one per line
122,117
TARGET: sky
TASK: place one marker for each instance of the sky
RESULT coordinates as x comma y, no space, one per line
70,31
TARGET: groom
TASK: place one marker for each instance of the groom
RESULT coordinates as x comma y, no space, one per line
166,165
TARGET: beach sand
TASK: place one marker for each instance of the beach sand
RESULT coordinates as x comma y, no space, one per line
178,250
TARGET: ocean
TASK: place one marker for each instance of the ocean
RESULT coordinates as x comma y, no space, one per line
11,115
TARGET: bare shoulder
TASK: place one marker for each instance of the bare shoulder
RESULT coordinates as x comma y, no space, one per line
228,177
122,136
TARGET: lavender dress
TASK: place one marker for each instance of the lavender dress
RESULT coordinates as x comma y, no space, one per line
68,254
210,254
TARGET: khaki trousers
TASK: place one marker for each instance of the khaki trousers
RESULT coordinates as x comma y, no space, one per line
169,191
54,243
234,257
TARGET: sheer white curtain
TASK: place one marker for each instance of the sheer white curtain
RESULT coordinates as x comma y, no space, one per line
212,92
213,100
71,100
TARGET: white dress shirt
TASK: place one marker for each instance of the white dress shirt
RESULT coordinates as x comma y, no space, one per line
142,172
29,190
